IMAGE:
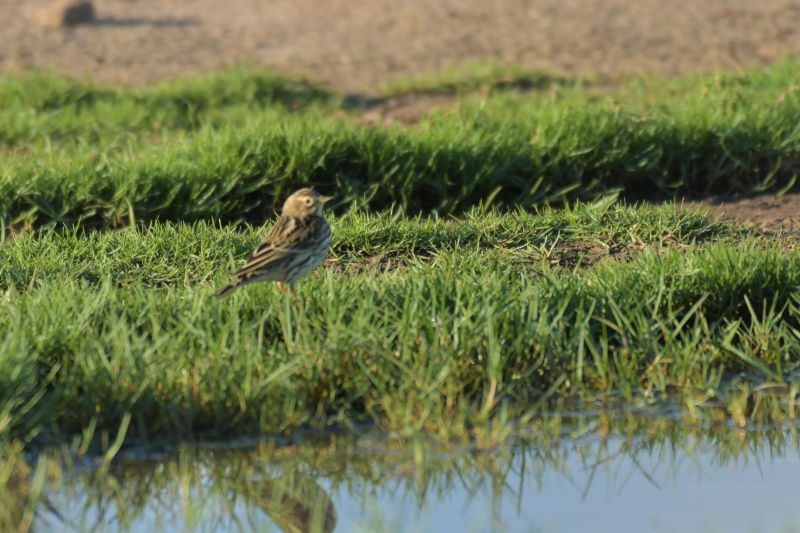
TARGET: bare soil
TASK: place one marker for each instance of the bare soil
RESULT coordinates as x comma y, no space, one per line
771,214
353,45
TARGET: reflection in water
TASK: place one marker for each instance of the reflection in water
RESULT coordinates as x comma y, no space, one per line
297,504
673,477
189,487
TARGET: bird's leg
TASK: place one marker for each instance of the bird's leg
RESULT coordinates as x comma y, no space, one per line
294,293
282,288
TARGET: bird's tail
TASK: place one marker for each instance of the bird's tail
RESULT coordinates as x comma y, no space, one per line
227,289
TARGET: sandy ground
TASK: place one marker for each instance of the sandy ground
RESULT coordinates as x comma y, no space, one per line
353,45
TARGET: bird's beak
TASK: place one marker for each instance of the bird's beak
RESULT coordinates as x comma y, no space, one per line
325,199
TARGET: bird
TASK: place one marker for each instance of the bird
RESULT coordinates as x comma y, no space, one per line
295,246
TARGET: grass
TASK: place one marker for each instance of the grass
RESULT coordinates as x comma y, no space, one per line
43,108
477,325
184,254
422,323
174,154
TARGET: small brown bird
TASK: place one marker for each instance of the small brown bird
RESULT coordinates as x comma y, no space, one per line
297,244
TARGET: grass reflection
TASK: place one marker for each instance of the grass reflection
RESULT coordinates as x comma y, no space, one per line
272,486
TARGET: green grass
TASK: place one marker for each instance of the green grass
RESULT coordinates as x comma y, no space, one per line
425,323
478,325
175,154
50,110
42,108
183,254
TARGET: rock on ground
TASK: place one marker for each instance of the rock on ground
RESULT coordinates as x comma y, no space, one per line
63,13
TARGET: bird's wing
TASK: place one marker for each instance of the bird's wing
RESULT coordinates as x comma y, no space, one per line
273,249
286,240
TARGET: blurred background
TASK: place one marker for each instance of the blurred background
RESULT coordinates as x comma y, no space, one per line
354,45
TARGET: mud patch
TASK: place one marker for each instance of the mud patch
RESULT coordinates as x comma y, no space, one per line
586,254
376,263
770,214
402,110
576,254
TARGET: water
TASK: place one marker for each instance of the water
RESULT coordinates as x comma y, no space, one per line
664,477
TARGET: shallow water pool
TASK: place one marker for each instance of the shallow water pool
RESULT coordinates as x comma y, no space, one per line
662,477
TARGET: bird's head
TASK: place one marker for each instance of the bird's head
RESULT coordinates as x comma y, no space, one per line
304,202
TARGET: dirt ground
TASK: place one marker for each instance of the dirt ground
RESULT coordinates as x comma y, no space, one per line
770,214
353,45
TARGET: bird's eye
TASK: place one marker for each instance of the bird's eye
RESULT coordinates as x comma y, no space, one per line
308,201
